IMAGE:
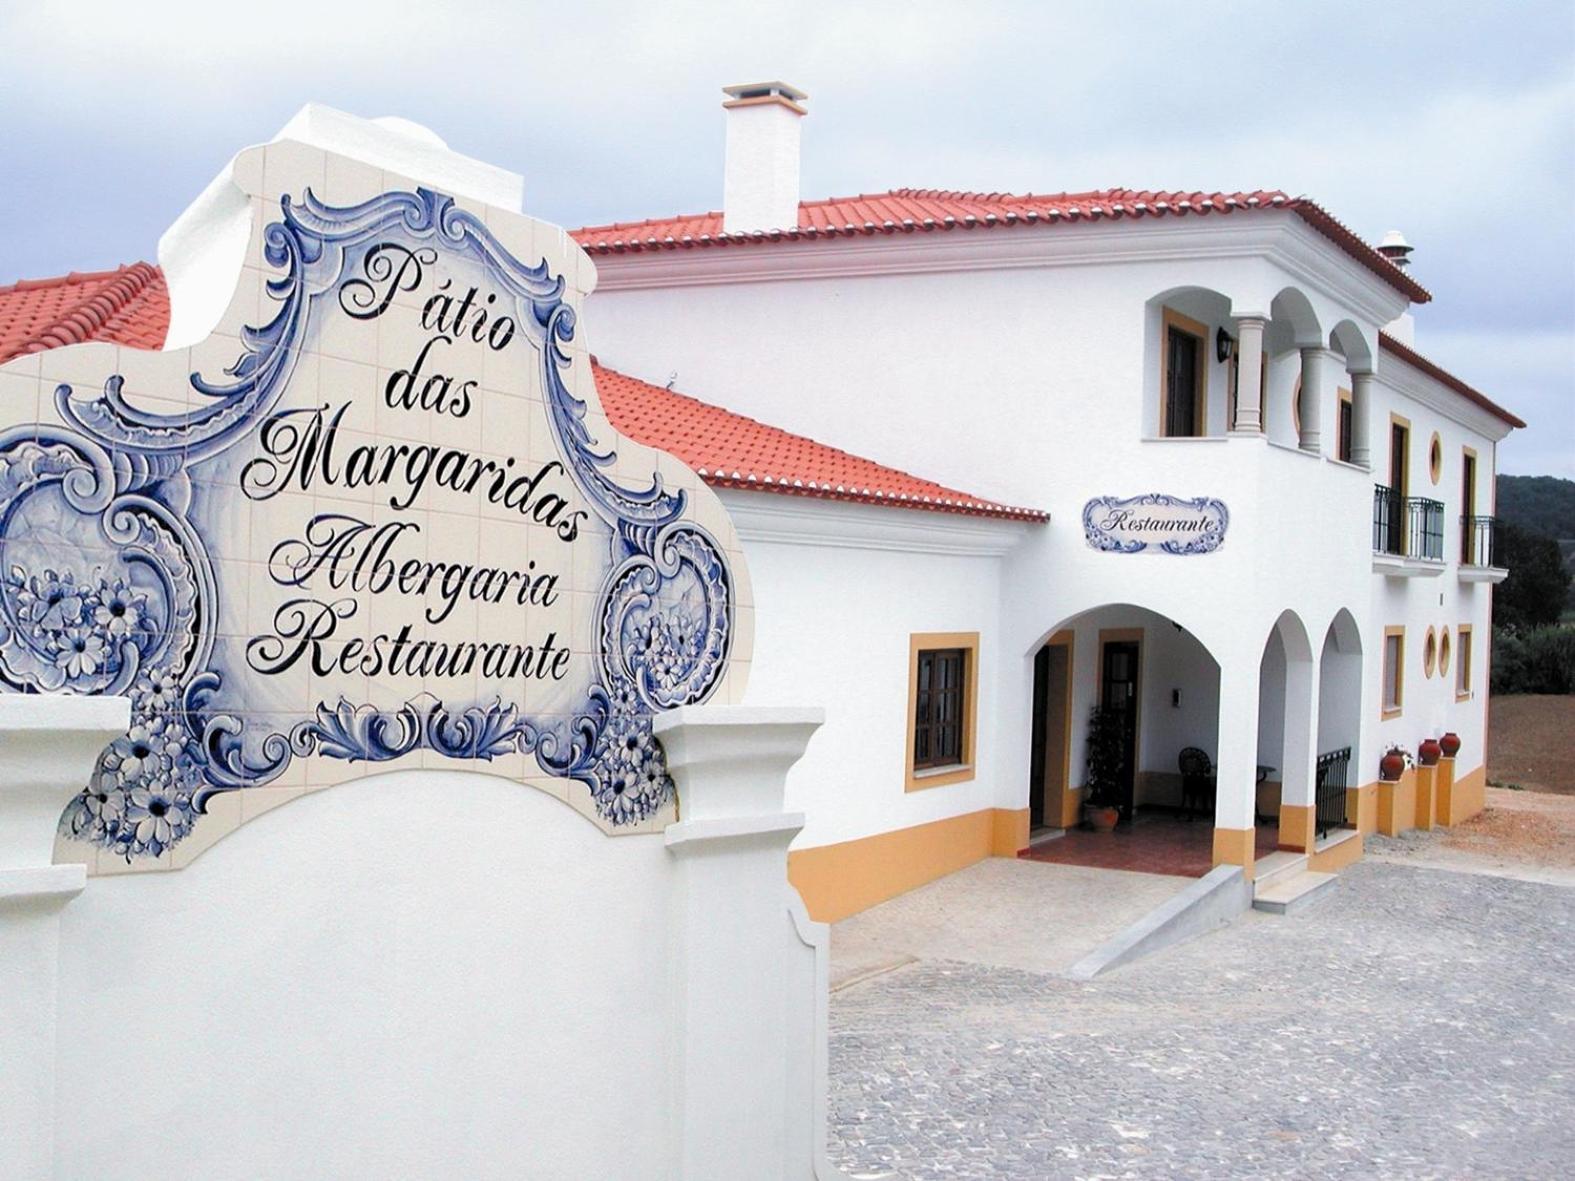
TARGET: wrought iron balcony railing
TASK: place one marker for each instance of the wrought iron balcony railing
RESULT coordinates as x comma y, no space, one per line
1407,526
1476,541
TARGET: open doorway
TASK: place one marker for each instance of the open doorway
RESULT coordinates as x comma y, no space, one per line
1051,803
1164,684
1120,658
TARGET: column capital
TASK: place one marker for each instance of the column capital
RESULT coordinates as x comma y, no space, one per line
49,745
732,760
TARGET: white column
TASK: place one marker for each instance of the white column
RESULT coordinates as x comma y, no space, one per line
48,747
1361,419
1301,732
749,969
1316,363
1236,765
1249,374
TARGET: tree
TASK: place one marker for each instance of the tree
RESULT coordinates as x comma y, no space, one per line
1533,594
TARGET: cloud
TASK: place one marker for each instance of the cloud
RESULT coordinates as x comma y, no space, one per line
1451,120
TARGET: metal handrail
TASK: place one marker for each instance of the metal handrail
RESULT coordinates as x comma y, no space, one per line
1476,541
1407,526
1333,778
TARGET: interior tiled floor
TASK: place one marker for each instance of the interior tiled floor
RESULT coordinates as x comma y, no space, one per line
1157,842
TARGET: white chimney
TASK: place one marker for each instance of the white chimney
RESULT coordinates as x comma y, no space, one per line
760,189
1397,250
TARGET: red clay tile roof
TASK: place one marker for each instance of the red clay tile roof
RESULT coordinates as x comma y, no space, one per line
732,451
131,306
910,210
1411,357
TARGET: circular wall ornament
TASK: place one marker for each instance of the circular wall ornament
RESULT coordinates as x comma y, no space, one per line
1443,652
1429,652
1435,458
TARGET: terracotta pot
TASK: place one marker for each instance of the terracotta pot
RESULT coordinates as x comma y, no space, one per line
1451,744
1102,819
1391,767
1427,754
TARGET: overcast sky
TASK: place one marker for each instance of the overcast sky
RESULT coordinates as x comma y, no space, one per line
1454,122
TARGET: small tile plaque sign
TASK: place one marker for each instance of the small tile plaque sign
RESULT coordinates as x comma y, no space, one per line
1155,522
374,520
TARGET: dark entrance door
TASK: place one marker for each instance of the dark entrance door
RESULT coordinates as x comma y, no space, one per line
1119,692
1047,768
1036,755
1181,384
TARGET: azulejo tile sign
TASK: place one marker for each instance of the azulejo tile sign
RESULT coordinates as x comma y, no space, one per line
1168,524
374,520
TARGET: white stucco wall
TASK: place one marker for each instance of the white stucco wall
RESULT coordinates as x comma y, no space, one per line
409,975
834,617
1024,365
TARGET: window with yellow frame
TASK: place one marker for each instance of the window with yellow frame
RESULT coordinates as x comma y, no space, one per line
1394,672
943,701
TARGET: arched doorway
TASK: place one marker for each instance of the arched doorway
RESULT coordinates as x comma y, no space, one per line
1285,731
1162,685
1339,724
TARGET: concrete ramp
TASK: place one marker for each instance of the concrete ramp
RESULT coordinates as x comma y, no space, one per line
1208,903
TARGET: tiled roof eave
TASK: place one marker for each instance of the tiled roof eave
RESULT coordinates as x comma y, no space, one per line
1420,363
89,318
1115,205
894,501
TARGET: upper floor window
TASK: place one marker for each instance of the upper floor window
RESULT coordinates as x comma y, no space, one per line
1184,382
1345,427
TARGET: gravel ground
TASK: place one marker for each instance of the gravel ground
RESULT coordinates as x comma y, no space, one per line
1527,834
1416,1024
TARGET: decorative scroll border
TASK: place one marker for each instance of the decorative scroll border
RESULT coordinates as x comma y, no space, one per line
1205,542
121,473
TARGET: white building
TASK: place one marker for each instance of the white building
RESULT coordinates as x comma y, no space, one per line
1243,357
1046,351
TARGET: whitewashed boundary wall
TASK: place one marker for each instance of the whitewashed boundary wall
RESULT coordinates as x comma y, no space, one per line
423,974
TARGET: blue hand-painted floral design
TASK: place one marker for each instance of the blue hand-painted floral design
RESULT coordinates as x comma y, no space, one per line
135,609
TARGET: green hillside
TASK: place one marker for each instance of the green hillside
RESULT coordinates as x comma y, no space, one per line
1542,504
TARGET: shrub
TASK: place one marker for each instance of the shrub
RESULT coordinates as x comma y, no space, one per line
1541,660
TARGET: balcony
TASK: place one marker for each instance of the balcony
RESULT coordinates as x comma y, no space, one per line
1408,534
1478,554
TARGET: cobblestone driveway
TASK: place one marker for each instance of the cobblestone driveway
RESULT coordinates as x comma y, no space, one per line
1416,1024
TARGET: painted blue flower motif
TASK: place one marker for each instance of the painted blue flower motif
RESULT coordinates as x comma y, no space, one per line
119,609
157,815
156,692
50,602
80,652
632,782
666,646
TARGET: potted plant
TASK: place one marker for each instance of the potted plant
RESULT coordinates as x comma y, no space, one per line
1428,752
1104,758
1451,744
1396,759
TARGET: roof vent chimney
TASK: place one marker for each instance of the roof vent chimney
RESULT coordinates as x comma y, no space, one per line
760,183
1396,249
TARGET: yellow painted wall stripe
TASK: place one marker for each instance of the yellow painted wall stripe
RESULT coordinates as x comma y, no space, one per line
839,880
